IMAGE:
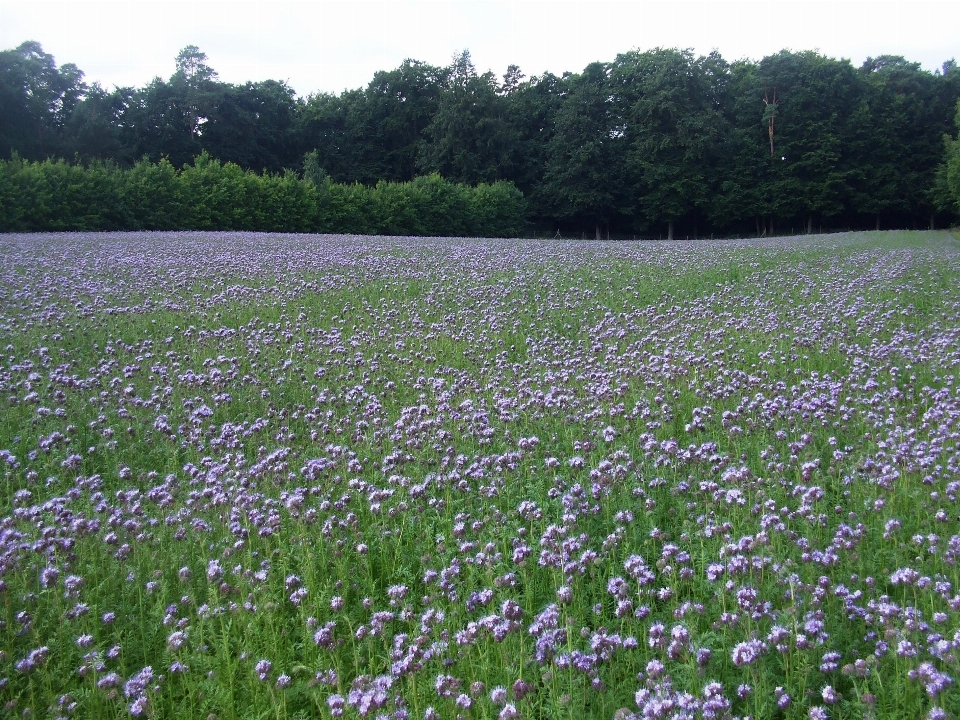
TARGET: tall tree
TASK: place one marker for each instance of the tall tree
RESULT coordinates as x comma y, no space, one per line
168,117
897,128
817,98
531,108
582,183
161,125
37,99
330,126
672,106
196,87
741,195
469,139
400,105
949,174
253,125
97,127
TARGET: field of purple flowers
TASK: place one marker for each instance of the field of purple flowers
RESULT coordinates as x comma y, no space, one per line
257,476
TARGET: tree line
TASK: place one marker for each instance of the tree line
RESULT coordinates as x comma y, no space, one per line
660,142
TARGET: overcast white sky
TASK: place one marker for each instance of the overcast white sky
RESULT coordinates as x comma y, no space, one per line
332,45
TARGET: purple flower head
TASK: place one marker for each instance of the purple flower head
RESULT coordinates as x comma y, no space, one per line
139,683
745,653
508,712
214,571
934,681
655,669
176,640
367,695
830,662
336,704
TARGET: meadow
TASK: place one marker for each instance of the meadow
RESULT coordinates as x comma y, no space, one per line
293,476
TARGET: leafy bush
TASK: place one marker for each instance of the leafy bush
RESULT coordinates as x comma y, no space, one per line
951,178
154,190
210,195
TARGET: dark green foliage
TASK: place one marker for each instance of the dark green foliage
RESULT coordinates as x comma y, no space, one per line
54,195
155,191
947,186
816,103
398,106
211,195
95,128
36,100
672,124
253,125
469,140
531,109
651,143
741,194
162,124
583,174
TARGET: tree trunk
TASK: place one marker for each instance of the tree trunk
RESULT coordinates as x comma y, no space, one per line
932,223
757,220
670,230
771,226
810,224
598,230
878,221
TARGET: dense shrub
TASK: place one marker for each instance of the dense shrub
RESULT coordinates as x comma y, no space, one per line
210,195
950,172
155,191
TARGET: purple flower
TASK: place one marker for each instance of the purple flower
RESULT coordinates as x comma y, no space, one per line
508,712
745,653
336,704
934,681
176,640
214,571
830,662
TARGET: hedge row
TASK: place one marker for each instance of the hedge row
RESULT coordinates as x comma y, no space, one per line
210,195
